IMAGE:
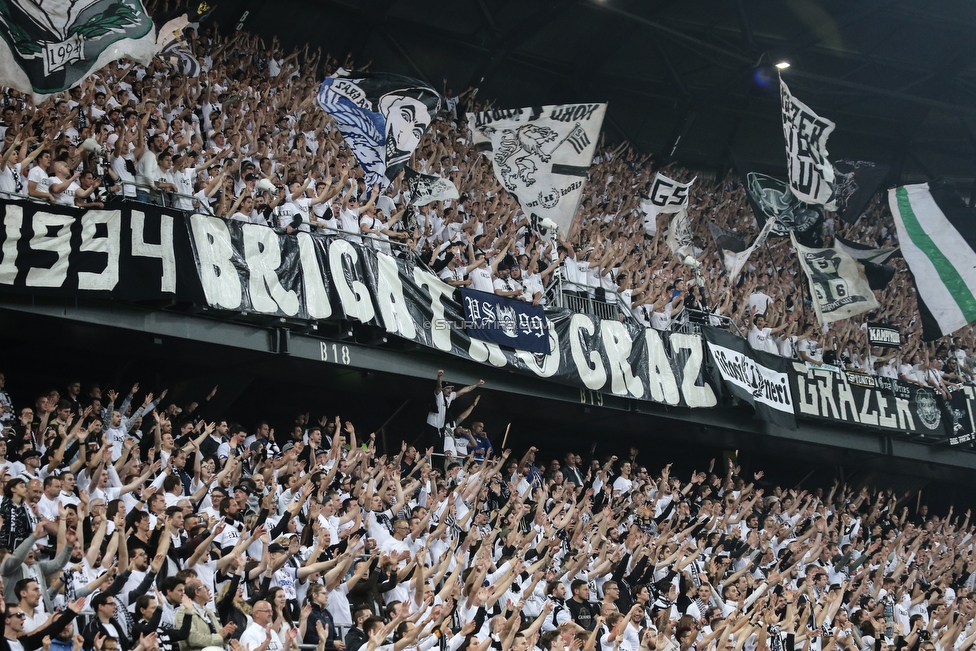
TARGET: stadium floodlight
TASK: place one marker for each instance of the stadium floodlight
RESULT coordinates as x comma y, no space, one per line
783,65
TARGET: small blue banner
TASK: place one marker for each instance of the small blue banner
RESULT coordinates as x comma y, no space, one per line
505,321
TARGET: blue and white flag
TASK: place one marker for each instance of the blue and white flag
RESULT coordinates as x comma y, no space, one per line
505,321
382,118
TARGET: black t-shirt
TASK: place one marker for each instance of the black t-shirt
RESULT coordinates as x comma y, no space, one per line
583,613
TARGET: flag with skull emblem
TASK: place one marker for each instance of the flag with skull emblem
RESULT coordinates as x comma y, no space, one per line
49,46
541,154
381,116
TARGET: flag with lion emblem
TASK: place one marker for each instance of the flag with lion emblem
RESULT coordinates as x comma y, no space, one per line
541,154
49,46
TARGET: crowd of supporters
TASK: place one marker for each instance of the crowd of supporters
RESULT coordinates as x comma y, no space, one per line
182,531
245,141
171,528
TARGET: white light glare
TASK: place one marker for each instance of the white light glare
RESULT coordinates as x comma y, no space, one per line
783,65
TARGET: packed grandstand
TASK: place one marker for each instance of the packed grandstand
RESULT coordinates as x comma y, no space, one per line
170,531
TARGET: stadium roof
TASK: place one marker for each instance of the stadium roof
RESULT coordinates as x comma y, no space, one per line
686,79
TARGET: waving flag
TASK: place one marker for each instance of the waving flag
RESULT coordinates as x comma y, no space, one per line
838,284
49,46
806,133
382,118
541,154
937,234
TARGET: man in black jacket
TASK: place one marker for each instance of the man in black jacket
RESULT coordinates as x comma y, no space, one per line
14,638
356,636
104,622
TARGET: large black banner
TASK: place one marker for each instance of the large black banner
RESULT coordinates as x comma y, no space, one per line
148,254
856,399
759,378
254,269
145,253
130,254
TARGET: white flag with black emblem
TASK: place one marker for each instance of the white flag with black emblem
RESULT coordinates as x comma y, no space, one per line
666,196
806,133
838,285
680,239
541,154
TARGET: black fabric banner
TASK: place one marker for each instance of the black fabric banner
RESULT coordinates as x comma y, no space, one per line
145,254
961,424
855,182
855,399
133,253
884,335
759,378
254,269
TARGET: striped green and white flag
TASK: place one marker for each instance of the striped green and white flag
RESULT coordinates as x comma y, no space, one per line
937,234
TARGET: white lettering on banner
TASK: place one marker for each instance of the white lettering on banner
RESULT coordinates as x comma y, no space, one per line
617,343
59,243
486,351
549,363
661,382
13,222
353,295
595,376
218,277
884,335
695,396
828,394
767,386
393,306
162,251
440,337
316,295
262,254
108,278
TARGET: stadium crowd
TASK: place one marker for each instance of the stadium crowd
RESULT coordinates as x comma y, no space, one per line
244,141
171,531
178,531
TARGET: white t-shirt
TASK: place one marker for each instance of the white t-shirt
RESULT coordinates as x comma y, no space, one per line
40,177
760,340
481,279
11,182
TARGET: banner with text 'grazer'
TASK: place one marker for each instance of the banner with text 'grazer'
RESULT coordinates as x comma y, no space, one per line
858,400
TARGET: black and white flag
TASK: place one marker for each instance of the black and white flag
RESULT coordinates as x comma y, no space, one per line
838,285
855,182
725,241
50,46
382,118
666,196
770,197
425,188
806,133
757,377
541,154
864,252
680,236
173,48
